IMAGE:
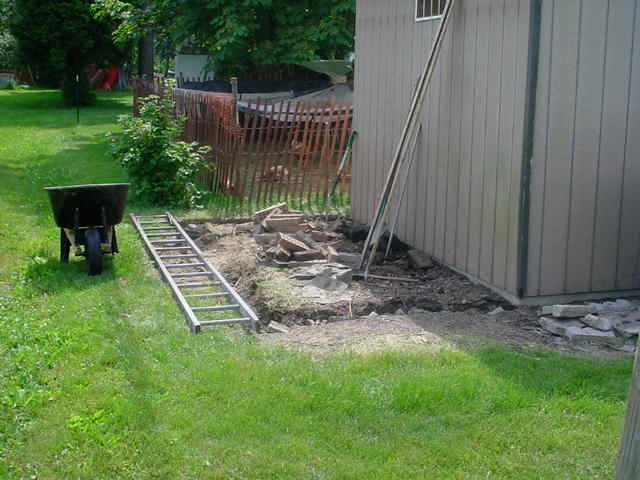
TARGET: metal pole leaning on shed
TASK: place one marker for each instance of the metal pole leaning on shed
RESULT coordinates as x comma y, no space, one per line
403,145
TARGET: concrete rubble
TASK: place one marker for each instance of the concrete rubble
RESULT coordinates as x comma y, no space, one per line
314,253
615,323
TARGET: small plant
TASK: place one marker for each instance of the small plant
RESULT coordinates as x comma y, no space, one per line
162,169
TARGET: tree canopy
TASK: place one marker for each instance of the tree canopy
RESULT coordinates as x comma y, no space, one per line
241,36
58,39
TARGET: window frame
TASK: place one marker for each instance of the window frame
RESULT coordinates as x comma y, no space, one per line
429,18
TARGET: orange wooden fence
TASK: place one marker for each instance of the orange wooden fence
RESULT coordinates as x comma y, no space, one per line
265,152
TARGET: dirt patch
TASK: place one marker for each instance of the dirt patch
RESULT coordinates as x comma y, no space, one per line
438,308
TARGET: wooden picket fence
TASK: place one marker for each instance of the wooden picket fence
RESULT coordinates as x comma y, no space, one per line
263,153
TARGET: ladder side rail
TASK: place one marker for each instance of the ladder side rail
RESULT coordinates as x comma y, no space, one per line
244,307
194,323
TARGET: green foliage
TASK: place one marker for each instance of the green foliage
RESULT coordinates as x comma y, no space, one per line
60,38
163,170
242,36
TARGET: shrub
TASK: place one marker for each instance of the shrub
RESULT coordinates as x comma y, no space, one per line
162,170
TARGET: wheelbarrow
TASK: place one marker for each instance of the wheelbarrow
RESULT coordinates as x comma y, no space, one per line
87,216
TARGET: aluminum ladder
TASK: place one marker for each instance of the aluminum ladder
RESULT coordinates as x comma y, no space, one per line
192,278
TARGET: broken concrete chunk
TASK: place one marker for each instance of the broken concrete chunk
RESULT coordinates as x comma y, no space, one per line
496,311
332,254
292,244
286,224
628,330
591,335
571,311
576,332
597,322
632,317
619,306
307,255
245,228
559,327
276,327
419,260
546,310
266,238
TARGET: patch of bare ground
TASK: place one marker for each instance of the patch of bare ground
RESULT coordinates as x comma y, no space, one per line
439,308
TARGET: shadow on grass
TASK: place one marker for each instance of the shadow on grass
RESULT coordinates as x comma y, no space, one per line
574,377
51,276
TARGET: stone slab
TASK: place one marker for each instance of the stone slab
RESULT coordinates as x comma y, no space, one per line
598,322
571,311
628,330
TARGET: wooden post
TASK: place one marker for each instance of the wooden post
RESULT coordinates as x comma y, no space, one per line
629,460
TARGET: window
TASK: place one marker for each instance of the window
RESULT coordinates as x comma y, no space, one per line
428,9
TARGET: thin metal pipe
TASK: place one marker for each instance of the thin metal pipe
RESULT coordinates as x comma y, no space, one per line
410,125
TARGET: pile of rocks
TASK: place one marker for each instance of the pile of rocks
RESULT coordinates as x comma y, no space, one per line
290,240
614,324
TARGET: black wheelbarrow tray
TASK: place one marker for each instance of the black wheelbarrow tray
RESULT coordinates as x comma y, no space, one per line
87,216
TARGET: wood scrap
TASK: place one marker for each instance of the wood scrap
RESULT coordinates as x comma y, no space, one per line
260,215
292,244
382,277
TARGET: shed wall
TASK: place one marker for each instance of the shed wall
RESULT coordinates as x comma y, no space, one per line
585,190
462,201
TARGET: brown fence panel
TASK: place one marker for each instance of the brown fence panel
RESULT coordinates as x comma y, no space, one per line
263,152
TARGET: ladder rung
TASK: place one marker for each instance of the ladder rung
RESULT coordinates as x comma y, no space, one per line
151,222
163,249
215,308
177,240
186,255
206,323
159,228
183,265
196,285
152,216
164,234
207,295
192,274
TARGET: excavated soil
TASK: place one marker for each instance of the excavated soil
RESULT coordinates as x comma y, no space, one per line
440,308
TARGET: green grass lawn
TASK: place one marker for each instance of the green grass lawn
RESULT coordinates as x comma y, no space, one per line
100,379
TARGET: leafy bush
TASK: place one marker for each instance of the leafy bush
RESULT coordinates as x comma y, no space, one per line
162,169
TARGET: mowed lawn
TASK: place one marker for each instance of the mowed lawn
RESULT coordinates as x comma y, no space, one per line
100,378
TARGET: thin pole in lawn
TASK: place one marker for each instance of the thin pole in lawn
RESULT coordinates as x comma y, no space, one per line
77,99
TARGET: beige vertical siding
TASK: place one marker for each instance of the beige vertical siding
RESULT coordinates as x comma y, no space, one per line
464,189
585,191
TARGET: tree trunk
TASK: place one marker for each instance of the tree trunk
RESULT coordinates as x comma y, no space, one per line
629,461
145,56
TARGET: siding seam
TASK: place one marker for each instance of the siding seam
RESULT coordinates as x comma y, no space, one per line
573,147
597,187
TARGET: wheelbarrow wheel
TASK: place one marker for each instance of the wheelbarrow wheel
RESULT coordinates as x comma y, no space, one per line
65,247
94,252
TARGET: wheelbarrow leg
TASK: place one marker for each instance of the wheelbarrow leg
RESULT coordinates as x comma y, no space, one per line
65,247
114,241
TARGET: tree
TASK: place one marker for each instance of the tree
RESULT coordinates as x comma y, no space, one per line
7,42
58,39
242,36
